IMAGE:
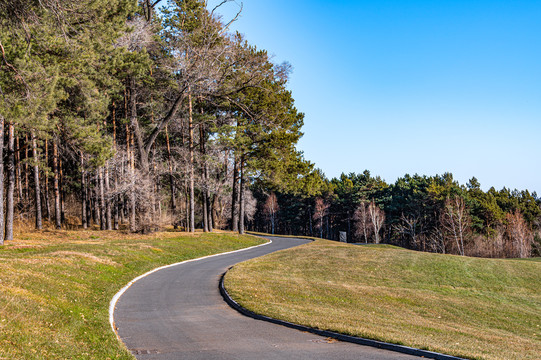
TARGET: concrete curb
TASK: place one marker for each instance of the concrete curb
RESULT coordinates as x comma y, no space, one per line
352,339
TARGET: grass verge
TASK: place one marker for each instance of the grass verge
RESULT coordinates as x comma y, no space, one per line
468,307
55,286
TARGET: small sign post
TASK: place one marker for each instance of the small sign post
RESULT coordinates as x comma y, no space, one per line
343,236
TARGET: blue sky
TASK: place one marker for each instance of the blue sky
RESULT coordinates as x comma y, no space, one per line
400,87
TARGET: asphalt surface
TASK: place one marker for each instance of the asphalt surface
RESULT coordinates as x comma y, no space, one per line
178,313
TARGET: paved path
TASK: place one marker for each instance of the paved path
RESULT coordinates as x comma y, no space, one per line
178,313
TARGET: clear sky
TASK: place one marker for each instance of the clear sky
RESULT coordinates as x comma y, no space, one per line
411,86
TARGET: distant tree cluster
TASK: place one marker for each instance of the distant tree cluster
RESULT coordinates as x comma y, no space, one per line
115,115
434,214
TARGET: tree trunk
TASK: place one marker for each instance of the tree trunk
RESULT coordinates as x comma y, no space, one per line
96,199
102,199
171,181
88,192
39,223
108,215
26,182
11,182
62,190
209,212
204,190
58,215
234,197
242,198
116,200
84,190
47,201
133,203
310,221
2,219
18,170
192,180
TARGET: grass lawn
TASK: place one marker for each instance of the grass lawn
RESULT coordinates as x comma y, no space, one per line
55,286
468,307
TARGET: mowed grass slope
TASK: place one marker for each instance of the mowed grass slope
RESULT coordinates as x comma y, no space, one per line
469,307
55,292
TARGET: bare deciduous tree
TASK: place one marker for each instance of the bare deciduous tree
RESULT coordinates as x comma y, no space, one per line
270,209
363,226
519,235
321,210
377,217
410,226
456,221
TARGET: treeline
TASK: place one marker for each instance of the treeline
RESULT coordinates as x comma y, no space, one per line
434,214
115,115
118,116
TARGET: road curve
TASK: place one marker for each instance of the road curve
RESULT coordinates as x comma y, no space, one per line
178,313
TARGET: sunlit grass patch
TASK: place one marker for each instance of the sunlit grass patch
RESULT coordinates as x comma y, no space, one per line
55,286
470,307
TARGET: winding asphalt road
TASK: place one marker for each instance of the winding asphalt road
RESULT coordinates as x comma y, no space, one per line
178,313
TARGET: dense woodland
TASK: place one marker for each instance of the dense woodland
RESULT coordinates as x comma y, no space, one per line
117,115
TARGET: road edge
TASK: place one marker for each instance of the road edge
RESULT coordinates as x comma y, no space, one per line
116,297
347,338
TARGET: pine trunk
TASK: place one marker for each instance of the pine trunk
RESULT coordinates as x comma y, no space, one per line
11,182
18,170
62,190
209,212
116,200
102,199
242,198
204,175
84,190
47,201
2,219
26,172
56,186
88,200
133,204
108,214
192,179
96,200
234,197
39,222
171,180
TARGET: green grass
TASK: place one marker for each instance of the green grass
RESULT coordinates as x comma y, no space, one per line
55,287
469,307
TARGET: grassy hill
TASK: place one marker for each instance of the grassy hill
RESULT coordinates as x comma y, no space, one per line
55,287
469,307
